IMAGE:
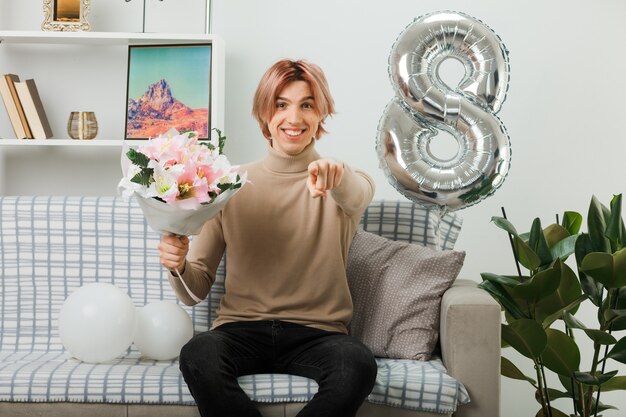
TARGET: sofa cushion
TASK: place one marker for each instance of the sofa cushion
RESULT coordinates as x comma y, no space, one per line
409,222
396,290
41,375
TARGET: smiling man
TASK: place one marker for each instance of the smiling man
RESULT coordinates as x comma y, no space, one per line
287,304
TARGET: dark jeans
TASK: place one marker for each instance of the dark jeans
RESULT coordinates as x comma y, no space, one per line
342,366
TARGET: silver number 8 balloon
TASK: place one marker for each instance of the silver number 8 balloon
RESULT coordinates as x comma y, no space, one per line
424,104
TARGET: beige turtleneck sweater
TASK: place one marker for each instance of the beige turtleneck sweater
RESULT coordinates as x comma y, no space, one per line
286,251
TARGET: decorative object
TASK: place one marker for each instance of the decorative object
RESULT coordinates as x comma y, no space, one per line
168,88
550,293
66,15
82,125
162,329
425,104
96,322
406,325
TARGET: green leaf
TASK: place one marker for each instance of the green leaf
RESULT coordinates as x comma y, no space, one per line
564,248
592,288
553,412
526,336
221,139
553,394
504,224
595,380
572,222
614,384
561,354
143,177
569,290
558,314
500,279
137,158
596,226
541,285
617,315
509,370
610,270
525,255
598,336
503,298
615,224
611,314
537,242
618,352
555,233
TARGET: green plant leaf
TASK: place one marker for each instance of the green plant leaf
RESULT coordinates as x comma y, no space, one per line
509,370
595,380
555,233
525,255
143,177
541,285
569,290
599,336
537,242
610,270
561,354
596,226
617,315
592,288
504,224
564,248
615,225
137,158
526,336
500,279
553,394
503,298
558,314
552,412
614,384
611,314
572,222
618,352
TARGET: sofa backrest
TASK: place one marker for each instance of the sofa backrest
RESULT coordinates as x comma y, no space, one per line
51,246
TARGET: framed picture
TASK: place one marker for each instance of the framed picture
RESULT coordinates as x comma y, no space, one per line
65,15
168,87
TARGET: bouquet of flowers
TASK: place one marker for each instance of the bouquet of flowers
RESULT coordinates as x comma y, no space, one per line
180,182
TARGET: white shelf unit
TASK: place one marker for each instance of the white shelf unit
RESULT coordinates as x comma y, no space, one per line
122,39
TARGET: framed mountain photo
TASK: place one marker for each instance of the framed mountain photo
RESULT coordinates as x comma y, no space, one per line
168,87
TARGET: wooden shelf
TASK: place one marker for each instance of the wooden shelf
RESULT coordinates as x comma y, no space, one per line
99,38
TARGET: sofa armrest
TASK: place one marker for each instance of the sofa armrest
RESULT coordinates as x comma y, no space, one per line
470,346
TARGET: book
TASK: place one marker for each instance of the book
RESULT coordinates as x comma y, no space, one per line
33,107
14,106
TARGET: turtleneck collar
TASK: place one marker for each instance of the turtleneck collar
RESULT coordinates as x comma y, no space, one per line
277,161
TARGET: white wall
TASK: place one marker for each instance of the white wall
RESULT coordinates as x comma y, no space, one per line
563,111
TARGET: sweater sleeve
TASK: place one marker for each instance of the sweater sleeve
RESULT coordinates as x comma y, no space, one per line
205,253
355,191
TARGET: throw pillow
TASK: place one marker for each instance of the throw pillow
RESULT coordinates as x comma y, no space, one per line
396,290
410,222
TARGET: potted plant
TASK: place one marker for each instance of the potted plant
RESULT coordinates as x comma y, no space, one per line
540,306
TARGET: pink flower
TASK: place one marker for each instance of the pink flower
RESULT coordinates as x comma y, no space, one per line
180,171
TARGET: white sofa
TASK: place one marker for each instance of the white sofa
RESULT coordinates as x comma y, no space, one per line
53,245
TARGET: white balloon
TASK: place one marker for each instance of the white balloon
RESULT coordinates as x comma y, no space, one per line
162,329
97,322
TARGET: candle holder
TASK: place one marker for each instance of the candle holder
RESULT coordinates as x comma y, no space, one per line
82,125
